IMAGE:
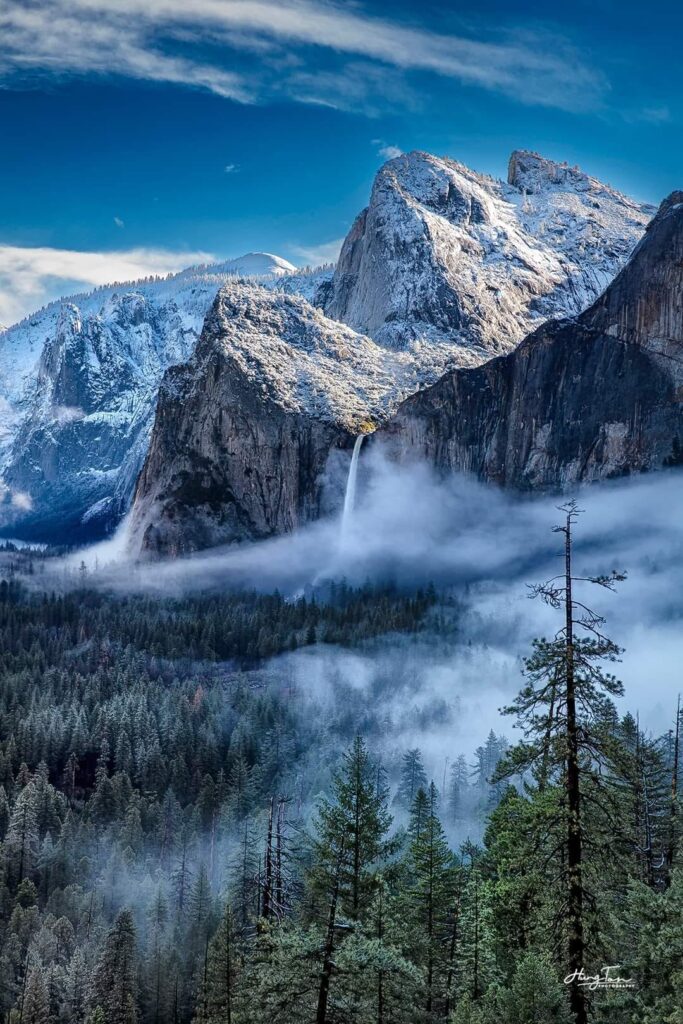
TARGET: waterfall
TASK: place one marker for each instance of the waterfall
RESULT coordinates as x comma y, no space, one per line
350,496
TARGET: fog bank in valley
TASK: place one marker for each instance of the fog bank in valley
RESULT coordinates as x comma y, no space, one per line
484,547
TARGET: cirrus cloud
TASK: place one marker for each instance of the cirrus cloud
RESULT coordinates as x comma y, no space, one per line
207,44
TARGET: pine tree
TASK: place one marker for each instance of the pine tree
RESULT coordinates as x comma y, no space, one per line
113,989
674,829
21,842
35,1008
217,1003
155,988
282,977
351,833
563,709
413,778
477,968
429,894
77,988
535,996
457,790
4,813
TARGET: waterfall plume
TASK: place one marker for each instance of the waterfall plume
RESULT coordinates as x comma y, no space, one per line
350,495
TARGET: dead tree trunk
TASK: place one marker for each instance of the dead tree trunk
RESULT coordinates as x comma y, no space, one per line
673,813
576,940
328,952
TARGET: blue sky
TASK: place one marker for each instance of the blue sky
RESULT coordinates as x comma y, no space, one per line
134,127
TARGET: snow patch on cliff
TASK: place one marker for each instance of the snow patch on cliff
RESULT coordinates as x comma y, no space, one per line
445,254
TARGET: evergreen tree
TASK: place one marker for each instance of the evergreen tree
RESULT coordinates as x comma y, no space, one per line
113,989
458,787
351,833
413,778
477,967
35,1008
218,999
564,709
21,842
429,894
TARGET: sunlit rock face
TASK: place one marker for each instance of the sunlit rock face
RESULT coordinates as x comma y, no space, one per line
78,389
445,268
583,399
243,431
445,254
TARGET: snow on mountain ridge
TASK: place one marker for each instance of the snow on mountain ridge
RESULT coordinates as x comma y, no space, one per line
531,172
446,266
307,363
252,264
445,253
101,355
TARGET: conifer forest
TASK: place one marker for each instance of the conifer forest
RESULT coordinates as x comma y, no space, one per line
185,839
341,512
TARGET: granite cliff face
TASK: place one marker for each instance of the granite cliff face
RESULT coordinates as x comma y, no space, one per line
244,430
446,267
448,256
583,399
78,389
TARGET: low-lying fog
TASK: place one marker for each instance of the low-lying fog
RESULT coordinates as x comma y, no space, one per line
412,527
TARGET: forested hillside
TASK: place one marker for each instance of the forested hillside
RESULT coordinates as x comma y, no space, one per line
182,841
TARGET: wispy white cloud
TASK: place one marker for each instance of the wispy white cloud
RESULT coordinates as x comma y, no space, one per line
119,223
386,150
231,169
30,277
203,44
22,500
315,255
649,115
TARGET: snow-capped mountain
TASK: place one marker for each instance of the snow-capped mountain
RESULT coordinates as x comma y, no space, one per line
244,428
582,399
446,254
245,431
252,264
445,267
78,386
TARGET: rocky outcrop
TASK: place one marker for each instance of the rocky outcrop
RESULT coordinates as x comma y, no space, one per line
78,389
225,466
445,255
244,430
579,400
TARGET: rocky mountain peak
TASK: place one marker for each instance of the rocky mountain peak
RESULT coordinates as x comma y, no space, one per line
450,257
581,399
673,202
442,186
530,172
446,267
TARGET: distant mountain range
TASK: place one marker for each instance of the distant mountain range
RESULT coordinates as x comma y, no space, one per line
261,371
78,388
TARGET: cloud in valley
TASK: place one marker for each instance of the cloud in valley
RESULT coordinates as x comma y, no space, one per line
485,546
